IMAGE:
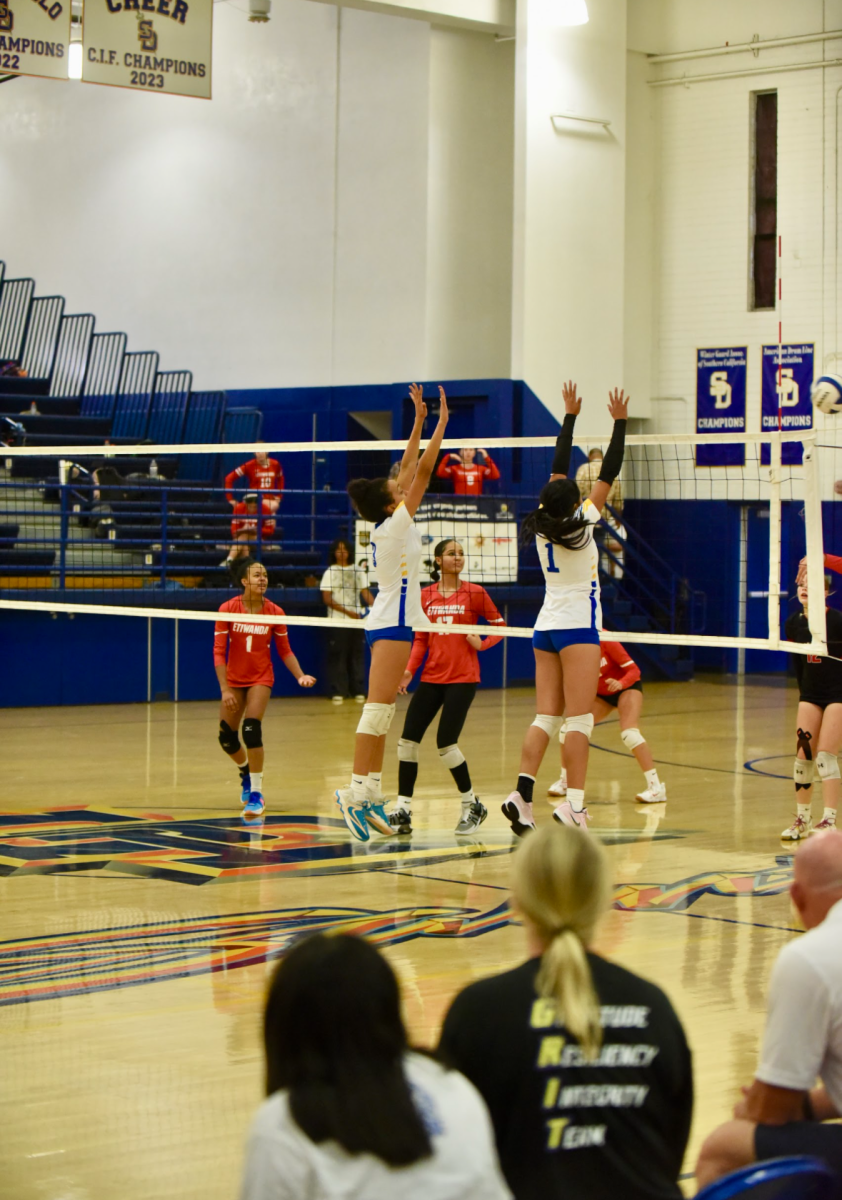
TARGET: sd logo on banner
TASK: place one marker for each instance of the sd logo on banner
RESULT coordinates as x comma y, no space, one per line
153,45
34,37
721,404
792,396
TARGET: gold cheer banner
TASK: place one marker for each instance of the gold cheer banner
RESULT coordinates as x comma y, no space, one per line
150,45
34,37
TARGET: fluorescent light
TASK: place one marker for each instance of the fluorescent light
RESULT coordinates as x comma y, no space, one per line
573,12
74,60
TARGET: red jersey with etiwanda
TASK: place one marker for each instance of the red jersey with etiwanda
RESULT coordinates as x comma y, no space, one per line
467,481
262,478
616,663
242,519
451,659
249,644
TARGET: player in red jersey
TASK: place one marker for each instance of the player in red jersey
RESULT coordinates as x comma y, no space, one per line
448,682
264,474
620,687
244,526
246,680
468,476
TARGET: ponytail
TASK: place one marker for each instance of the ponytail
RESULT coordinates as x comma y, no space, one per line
560,883
435,573
558,517
371,498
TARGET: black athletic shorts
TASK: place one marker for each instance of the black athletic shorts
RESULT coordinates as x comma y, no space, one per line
613,697
821,702
818,1139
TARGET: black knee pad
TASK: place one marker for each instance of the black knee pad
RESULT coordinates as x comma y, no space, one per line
228,739
253,733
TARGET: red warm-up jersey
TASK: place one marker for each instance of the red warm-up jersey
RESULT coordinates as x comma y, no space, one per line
616,663
261,479
467,481
241,520
249,644
450,658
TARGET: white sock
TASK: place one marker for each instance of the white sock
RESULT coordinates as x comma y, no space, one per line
404,802
576,796
804,811
652,779
256,781
829,814
358,787
374,782
467,798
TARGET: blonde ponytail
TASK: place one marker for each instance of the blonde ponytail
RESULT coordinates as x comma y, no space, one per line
561,884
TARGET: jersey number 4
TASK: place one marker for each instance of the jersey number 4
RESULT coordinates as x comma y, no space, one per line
551,567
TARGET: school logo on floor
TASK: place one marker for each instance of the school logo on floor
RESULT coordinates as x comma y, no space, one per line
676,897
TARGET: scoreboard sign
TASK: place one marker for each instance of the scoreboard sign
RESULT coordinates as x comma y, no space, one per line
152,45
34,36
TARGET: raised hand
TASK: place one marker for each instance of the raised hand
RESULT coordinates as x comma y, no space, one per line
572,402
416,394
618,404
444,415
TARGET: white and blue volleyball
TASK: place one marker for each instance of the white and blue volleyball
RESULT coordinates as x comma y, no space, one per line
826,394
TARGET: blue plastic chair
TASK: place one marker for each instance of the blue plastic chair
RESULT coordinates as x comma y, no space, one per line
795,1178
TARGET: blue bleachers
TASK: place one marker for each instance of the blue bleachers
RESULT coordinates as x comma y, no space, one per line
169,406
102,376
243,425
134,397
73,349
203,425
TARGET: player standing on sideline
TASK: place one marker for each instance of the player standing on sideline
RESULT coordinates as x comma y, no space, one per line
819,720
391,505
566,637
620,687
246,681
343,586
448,682
264,474
468,476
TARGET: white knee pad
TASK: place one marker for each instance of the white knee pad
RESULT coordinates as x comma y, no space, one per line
827,765
376,719
550,725
562,733
631,739
582,724
802,772
451,756
408,751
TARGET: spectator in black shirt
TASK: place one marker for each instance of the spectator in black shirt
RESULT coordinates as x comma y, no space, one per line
819,721
584,1066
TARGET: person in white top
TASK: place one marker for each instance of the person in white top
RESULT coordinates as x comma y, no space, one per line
352,1112
783,1111
566,637
343,586
391,505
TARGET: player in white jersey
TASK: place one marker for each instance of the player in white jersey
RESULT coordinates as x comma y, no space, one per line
396,556
566,637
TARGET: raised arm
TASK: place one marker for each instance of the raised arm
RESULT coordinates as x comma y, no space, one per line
618,406
410,454
428,459
564,441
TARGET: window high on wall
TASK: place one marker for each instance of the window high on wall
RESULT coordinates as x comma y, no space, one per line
764,199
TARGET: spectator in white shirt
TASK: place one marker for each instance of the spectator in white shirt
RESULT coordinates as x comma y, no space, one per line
343,586
783,1111
352,1112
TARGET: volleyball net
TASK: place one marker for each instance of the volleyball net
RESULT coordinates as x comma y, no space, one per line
699,544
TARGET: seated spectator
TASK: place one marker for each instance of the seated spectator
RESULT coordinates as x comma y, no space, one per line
343,586
467,475
264,474
584,1066
783,1111
352,1112
244,526
12,433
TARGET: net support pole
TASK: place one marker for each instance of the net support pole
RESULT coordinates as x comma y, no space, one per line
815,546
774,601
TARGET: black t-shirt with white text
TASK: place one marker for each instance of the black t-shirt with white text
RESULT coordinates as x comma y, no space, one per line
612,1129
819,679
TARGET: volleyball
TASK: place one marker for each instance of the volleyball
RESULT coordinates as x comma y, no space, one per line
827,394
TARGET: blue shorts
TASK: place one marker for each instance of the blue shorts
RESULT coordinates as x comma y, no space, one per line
553,640
393,633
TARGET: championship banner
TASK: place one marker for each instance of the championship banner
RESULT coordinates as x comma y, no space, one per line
34,36
791,394
721,403
152,45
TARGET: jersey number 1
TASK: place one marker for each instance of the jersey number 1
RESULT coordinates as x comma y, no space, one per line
551,567
248,643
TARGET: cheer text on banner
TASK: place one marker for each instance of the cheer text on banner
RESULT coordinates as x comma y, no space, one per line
151,45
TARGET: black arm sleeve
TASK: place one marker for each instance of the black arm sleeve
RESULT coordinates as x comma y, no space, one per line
564,446
613,460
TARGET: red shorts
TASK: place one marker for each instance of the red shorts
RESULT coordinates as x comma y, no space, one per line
264,680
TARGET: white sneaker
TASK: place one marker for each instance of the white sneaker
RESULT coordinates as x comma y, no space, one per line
337,699
656,795
559,788
824,824
801,827
566,814
360,699
516,810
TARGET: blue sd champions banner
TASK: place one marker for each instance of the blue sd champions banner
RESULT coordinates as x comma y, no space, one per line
721,404
791,394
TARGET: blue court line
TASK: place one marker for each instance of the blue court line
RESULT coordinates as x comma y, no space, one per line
497,887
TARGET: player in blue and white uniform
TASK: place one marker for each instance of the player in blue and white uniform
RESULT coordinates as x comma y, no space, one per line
396,550
566,637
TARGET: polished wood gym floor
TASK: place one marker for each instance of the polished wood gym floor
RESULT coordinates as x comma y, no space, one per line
139,918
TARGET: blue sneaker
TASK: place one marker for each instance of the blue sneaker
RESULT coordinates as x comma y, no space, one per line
376,816
245,789
255,805
352,813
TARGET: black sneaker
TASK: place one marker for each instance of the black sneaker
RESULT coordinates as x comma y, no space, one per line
401,820
472,817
